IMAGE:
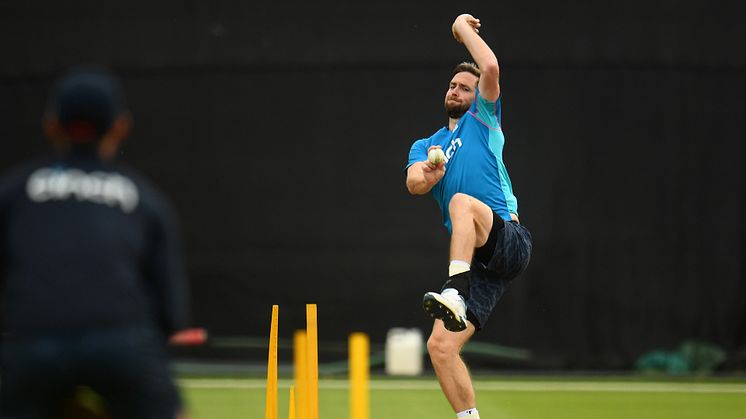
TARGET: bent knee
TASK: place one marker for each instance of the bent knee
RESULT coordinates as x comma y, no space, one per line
460,203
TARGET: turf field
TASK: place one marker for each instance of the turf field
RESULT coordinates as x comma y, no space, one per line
497,399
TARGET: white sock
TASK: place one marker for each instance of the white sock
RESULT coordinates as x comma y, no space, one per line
457,266
449,291
468,413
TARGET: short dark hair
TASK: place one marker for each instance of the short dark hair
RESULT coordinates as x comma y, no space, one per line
467,66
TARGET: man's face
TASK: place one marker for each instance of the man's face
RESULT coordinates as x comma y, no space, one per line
460,94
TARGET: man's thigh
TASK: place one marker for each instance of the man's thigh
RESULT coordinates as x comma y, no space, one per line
512,252
480,212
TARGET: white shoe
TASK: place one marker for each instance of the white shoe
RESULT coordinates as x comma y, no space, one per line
449,307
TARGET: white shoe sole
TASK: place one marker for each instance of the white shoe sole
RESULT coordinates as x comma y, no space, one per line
439,308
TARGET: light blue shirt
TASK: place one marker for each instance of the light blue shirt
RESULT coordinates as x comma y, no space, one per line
474,162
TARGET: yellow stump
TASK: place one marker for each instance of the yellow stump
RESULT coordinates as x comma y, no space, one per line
300,372
312,361
271,406
359,352
291,404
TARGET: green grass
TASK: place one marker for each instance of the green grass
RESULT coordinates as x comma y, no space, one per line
497,399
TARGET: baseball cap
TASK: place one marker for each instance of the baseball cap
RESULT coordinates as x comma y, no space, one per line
86,102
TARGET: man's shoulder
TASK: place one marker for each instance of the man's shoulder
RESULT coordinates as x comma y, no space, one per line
432,137
420,142
152,196
486,112
481,101
25,166
15,176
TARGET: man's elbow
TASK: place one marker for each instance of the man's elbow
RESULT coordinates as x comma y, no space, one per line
415,189
411,189
490,69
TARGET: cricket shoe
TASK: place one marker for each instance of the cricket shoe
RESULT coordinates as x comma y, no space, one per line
449,307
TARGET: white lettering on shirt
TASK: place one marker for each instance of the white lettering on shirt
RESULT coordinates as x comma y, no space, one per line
451,150
103,188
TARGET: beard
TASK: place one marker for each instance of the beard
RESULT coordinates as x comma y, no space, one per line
456,111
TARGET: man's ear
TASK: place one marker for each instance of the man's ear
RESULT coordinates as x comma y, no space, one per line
54,132
119,130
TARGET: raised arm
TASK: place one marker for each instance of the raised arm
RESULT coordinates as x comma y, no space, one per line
466,31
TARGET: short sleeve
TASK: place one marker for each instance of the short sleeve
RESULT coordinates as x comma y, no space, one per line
487,112
418,152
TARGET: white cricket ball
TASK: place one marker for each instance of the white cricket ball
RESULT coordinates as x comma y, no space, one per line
436,156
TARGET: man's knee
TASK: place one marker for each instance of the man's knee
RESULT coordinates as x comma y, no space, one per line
461,203
465,208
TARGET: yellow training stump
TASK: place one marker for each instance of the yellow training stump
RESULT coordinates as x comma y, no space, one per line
312,361
271,406
300,372
359,352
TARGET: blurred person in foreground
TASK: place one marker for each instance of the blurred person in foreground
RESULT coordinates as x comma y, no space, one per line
92,278
489,247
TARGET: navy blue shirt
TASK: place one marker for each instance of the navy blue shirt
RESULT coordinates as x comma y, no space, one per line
87,246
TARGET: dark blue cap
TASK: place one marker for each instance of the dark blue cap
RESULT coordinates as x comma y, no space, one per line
86,102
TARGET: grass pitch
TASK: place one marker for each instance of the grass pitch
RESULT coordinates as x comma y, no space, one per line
496,399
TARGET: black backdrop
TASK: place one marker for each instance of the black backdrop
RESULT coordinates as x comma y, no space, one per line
280,131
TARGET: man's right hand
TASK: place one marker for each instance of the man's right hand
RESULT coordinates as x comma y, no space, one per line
465,22
423,175
433,172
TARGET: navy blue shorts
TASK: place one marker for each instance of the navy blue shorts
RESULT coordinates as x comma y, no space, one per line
505,256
